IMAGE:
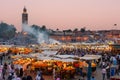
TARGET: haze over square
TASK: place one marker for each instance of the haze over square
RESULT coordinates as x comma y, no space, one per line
63,14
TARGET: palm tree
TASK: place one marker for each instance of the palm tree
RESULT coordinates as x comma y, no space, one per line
75,30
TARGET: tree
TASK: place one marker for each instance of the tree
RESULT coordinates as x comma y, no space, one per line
43,28
69,30
83,29
75,30
36,27
7,31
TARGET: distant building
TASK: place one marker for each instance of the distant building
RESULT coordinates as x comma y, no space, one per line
87,36
69,36
24,17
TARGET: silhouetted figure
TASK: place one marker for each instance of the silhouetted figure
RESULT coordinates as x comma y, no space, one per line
24,78
103,73
38,77
29,77
21,72
5,65
42,78
1,59
3,56
10,77
3,73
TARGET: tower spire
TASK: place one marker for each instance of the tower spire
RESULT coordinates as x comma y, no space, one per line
24,9
24,17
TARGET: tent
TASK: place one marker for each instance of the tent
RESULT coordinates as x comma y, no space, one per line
93,56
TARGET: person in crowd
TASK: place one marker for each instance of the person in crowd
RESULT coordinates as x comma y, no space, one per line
58,78
39,72
117,69
108,71
18,78
54,75
83,73
5,65
10,77
114,61
104,72
1,59
11,68
3,56
1,67
29,77
24,78
92,78
17,71
21,72
3,72
42,78
103,64
15,76
38,77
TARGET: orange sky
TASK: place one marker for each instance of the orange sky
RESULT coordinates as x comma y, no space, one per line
63,14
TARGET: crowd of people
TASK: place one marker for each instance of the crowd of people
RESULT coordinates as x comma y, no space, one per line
109,66
10,72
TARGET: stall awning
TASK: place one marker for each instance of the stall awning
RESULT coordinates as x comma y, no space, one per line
91,57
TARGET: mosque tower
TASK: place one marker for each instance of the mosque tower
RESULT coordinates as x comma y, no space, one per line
24,17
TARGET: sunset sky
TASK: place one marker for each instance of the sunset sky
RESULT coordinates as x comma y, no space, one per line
63,14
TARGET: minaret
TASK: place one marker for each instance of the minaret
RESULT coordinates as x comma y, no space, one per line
24,17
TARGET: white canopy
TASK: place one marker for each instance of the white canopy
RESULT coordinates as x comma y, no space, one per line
87,58
44,58
66,56
68,60
91,57
49,52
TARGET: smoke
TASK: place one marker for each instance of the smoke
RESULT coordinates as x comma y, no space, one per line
42,37
27,28
52,41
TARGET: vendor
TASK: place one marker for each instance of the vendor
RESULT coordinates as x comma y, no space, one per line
93,67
